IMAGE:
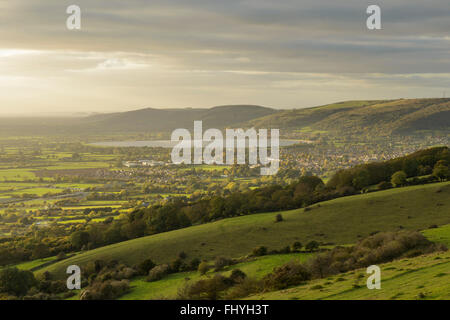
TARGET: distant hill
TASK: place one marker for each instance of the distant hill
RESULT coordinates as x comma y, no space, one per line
143,120
380,117
402,116
163,120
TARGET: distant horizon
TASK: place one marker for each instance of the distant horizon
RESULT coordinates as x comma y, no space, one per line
177,54
68,114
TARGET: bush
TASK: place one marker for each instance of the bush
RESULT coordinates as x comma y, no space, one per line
297,246
182,255
145,266
278,218
158,272
193,265
203,267
107,290
286,250
259,251
237,276
292,273
245,288
207,289
312,245
383,185
16,282
221,263
399,178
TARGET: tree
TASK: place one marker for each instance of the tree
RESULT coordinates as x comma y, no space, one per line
297,246
40,251
145,266
312,245
361,180
398,178
16,282
441,171
79,239
203,267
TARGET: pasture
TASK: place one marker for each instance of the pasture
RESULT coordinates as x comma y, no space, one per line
339,221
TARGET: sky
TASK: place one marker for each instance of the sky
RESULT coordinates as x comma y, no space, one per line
202,53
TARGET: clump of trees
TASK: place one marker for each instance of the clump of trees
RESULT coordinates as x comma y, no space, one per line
432,161
211,289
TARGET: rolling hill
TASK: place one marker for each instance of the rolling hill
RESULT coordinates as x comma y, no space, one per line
424,277
379,117
142,120
339,221
404,116
164,120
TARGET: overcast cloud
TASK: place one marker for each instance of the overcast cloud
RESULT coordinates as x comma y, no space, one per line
200,53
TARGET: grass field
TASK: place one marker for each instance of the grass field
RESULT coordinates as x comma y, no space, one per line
439,235
339,221
34,264
425,277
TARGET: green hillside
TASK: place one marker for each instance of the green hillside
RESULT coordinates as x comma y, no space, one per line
339,221
424,277
361,117
167,288
380,117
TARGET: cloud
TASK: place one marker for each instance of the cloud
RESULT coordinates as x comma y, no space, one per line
207,52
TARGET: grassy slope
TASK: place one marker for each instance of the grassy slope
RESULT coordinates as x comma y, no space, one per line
383,116
439,235
340,221
425,277
167,288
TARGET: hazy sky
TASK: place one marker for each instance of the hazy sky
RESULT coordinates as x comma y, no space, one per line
200,53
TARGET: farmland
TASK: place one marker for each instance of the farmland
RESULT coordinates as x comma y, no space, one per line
327,222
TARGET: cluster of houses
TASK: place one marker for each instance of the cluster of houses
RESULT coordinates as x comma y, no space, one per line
143,163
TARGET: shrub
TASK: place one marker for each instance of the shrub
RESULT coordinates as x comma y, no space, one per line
193,265
207,289
203,267
399,178
286,250
259,251
221,262
107,290
312,245
16,282
177,266
158,272
145,266
237,276
182,255
292,273
383,185
244,288
297,246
